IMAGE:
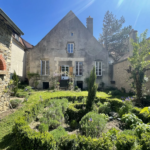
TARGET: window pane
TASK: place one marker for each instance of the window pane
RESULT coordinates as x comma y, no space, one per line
47,67
43,67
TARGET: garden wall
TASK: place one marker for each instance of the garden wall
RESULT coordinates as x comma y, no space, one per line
121,76
5,59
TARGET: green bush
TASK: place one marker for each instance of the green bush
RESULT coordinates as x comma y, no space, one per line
104,108
125,141
115,93
93,124
73,124
142,128
43,127
145,141
73,142
58,133
131,120
22,94
28,89
15,103
26,138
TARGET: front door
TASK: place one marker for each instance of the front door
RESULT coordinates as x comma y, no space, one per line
64,72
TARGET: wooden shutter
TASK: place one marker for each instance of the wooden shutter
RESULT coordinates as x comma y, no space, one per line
71,70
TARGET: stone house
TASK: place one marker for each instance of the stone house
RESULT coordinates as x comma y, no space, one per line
7,28
71,47
120,75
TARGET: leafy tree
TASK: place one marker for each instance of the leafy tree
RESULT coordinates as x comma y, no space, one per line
114,37
15,82
92,88
139,64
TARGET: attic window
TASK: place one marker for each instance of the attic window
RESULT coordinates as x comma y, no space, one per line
71,34
70,47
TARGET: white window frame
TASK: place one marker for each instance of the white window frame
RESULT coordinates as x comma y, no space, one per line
69,50
45,68
79,68
99,67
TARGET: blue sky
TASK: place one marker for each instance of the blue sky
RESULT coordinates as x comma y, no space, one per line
37,17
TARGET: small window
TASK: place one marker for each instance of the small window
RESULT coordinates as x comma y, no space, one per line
79,68
98,66
71,34
45,68
70,47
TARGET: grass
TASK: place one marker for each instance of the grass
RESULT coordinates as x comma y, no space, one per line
7,123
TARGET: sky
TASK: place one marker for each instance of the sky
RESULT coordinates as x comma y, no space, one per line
37,17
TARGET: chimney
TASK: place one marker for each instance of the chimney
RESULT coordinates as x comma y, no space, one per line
133,35
89,24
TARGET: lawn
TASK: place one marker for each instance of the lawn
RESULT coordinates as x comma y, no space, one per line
7,123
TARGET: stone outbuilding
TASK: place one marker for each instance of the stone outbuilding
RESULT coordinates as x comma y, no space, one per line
7,28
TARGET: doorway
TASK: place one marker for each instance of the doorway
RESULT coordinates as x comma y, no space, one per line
45,85
64,71
80,84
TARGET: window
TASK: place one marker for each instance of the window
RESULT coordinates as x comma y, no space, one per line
45,67
98,66
70,47
79,68
71,34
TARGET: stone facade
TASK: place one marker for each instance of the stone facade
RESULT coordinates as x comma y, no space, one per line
5,61
53,48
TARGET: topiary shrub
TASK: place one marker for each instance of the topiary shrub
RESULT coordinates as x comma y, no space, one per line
104,108
73,124
131,120
15,103
58,133
93,124
125,141
43,127
28,89
22,94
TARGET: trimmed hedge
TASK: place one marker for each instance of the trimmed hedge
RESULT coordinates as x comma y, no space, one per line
26,138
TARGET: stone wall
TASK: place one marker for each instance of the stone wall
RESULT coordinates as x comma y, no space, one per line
121,77
5,53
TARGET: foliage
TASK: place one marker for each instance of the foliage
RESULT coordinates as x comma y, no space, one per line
146,110
74,142
126,108
73,124
28,89
15,103
139,64
43,127
76,88
125,141
92,88
114,37
104,108
142,128
22,94
58,133
92,124
131,120
145,138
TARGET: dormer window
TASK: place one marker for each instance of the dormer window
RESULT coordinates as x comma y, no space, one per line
70,47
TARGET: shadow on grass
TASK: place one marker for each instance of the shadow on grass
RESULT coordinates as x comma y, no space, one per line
7,142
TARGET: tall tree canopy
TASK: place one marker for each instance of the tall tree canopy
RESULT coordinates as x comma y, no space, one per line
114,37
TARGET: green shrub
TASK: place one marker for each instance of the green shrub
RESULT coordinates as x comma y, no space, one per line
125,141
145,141
142,128
131,120
28,89
73,124
53,124
58,133
15,103
76,88
115,93
22,94
73,142
104,108
43,127
92,124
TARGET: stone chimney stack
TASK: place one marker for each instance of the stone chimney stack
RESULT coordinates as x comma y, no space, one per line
133,35
89,24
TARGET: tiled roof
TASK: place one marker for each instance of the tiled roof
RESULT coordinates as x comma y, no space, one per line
27,44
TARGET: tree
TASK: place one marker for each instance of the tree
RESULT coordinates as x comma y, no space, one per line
139,64
114,37
92,88
15,82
